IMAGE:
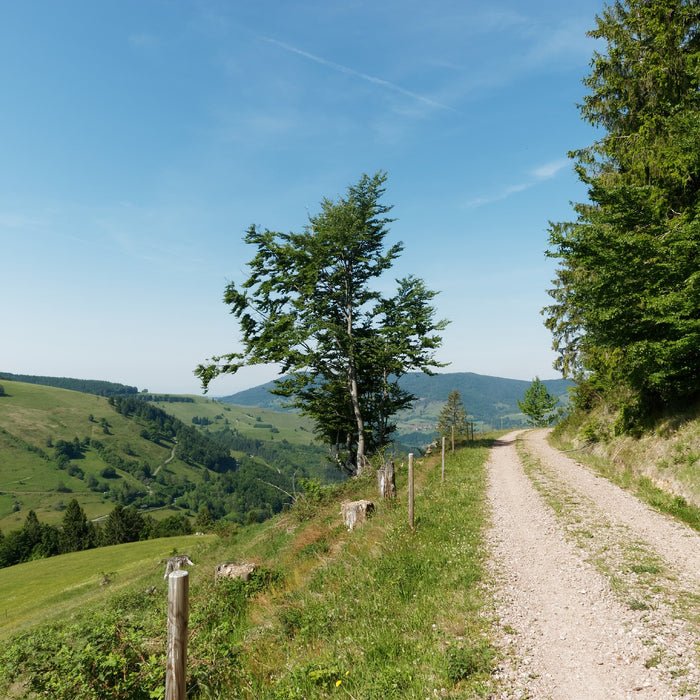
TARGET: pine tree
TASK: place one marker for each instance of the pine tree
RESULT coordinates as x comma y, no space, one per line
77,532
626,311
452,421
538,404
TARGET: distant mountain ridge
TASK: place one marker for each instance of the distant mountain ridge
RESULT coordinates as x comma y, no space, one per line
485,397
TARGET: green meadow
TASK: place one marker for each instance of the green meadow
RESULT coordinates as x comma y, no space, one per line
44,589
256,423
382,611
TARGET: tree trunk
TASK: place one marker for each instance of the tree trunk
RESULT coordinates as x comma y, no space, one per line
360,421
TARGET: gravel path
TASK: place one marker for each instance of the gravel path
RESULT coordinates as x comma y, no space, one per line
597,595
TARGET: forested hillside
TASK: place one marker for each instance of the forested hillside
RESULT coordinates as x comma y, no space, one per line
60,446
88,386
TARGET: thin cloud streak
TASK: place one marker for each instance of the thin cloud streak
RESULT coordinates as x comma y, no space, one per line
363,76
543,172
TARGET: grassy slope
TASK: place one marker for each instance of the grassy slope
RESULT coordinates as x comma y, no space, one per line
292,427
39,590
32,416
662,466
378,612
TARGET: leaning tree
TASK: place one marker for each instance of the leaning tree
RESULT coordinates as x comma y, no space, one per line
312,305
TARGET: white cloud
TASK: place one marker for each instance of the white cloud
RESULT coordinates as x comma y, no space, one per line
497,196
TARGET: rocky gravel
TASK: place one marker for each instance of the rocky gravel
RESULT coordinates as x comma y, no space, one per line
597,595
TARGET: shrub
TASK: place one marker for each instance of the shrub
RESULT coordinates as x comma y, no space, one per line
464,662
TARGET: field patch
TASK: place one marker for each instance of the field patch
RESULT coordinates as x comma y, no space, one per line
46,588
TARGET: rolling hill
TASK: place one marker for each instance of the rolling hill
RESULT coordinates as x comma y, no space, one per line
57,444
491,402
178,454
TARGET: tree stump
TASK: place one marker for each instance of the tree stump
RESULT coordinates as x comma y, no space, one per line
355,512
386,480
234,569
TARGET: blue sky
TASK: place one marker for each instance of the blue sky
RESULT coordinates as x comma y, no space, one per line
140,138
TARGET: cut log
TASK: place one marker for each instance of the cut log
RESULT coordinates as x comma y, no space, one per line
355,512
234,569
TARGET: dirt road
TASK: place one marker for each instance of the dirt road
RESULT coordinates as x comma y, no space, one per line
598,597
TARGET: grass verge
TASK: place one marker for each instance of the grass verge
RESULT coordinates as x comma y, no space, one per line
382,611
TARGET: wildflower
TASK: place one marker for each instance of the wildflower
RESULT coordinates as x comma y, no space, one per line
337,683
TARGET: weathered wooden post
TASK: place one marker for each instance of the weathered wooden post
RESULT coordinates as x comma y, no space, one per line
386,480
443,459
178,618
410,490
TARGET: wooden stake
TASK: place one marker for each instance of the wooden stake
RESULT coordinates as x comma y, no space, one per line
410,490
443,459
178,618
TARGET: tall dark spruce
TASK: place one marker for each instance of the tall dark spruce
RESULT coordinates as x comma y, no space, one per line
626,311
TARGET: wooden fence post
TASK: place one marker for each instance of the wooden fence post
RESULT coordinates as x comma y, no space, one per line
443,459
178,618
386,480
410,490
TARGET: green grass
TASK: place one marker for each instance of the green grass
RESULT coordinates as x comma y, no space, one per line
39,590
34,417
660,468
382,611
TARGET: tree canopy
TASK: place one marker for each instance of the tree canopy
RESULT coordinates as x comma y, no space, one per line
312,306
626,311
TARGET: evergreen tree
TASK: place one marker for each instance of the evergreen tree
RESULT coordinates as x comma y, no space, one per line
32,529
14,548
122,525
452,421
77,532
204,521
626,311
538,404
40,540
